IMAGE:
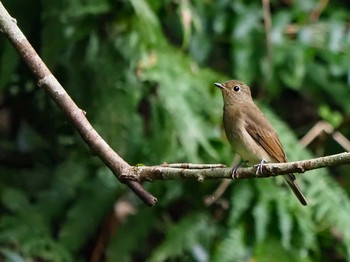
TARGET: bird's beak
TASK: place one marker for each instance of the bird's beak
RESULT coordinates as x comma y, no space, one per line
219,85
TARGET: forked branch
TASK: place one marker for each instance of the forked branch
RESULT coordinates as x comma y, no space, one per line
132,176
77,116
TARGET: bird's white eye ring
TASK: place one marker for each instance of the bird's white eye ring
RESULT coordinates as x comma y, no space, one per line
236,88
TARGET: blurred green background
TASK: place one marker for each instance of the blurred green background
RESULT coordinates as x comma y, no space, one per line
144,73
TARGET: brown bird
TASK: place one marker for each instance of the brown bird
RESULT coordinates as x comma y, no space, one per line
250,133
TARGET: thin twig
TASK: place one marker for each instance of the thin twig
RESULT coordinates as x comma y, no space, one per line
267,24
209,200
324,127
54,89
193,166
315,14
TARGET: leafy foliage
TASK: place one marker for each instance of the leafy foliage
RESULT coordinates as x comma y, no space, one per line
144,73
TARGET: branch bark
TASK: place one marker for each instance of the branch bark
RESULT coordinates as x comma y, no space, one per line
168,172
54,89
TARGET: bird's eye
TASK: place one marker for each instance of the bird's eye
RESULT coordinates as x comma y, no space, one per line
236,88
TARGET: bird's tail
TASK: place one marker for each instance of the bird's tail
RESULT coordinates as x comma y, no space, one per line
292,183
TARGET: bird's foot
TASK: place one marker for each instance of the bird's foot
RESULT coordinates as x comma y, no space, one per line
259,167
235,168
234,171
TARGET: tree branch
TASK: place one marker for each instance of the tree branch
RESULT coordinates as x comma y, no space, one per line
132,176
167,172
54,89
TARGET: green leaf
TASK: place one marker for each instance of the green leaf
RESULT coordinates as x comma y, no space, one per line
232,247
241,201
293,74
80,222
182,99
333,117
8,63
270,249
261,213
14,200
186,235
130,235
285,223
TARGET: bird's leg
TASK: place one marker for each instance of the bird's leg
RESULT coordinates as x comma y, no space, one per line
259,167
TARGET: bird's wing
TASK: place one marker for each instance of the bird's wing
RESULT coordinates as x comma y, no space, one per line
263,134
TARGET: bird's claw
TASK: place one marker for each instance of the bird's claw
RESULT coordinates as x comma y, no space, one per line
235,168
233,172
259,167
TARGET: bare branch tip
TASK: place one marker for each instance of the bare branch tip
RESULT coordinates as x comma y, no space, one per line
142,193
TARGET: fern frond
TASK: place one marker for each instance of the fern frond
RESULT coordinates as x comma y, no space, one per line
329,203
241,201
184,236
232,247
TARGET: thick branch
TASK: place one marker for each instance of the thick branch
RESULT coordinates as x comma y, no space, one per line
166,172
54,89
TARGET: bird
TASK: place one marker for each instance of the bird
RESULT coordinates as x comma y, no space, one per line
250,133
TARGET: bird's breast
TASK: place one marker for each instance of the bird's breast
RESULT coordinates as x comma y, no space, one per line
240,140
